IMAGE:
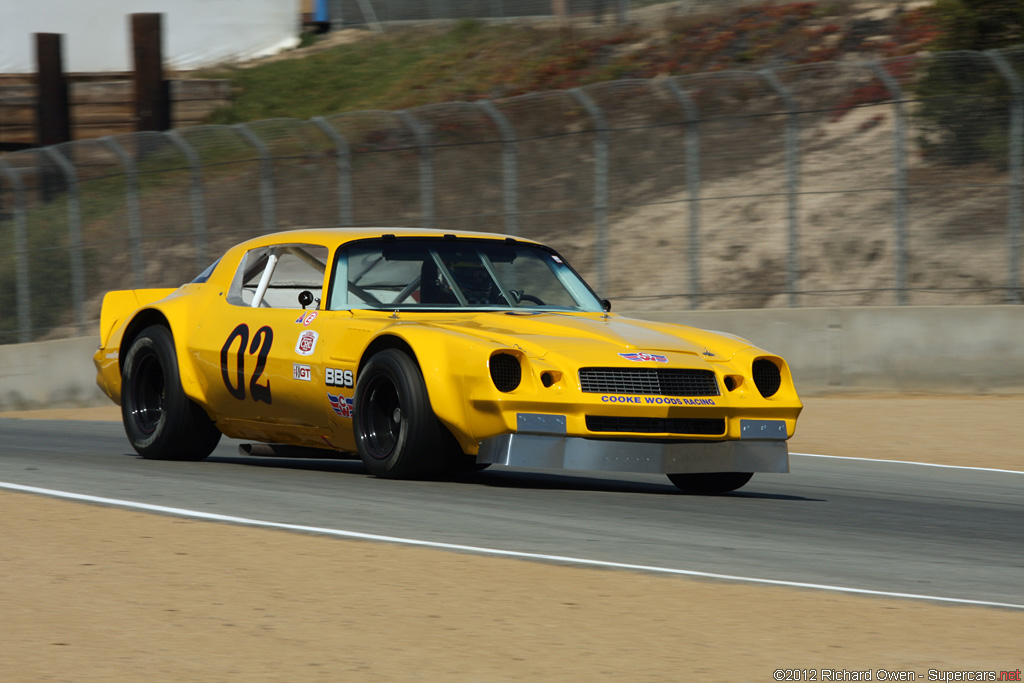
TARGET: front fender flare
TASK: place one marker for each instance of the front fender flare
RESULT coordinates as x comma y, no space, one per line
446,360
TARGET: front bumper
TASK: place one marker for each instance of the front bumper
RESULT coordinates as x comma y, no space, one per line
541,443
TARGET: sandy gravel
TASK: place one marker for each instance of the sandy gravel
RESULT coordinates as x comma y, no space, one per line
98,594
973,431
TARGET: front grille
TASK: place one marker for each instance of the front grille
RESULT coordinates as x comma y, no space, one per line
506,373
649,381
704,426
767,377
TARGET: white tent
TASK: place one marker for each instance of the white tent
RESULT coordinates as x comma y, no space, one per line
97,34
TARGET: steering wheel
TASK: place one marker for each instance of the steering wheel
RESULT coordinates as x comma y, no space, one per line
531,298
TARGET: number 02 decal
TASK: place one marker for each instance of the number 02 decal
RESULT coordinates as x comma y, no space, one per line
261,342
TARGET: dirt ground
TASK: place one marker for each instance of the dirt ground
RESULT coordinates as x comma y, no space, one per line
99,594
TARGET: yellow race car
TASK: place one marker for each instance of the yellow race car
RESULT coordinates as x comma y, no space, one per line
423,351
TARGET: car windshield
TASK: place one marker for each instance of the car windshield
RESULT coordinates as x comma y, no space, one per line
426,273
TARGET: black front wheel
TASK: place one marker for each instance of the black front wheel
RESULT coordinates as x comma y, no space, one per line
161,421
710,483
397,433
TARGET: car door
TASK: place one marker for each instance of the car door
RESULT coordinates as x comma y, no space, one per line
261,347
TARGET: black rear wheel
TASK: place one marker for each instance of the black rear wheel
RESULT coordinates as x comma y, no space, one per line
161,422
397,434
709,483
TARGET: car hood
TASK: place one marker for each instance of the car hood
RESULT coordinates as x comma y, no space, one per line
594,336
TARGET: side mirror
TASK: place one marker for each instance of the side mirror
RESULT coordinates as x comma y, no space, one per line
606,305
305,298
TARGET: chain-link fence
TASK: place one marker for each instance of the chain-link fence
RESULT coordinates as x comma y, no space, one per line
848,183
379,14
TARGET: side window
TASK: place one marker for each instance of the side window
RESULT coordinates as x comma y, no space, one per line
274,277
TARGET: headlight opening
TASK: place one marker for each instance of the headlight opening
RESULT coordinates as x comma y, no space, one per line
506,371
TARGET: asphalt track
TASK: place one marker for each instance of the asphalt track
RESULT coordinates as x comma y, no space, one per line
874,526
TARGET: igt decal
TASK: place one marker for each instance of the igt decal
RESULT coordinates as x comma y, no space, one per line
302,372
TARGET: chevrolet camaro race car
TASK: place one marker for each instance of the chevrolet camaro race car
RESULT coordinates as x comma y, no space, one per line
423,351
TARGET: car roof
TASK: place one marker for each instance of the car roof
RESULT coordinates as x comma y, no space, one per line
336,236
333,238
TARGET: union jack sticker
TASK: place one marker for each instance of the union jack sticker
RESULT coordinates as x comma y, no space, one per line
342,406
640,357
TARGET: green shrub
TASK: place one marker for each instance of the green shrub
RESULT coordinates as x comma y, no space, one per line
979,24
963,101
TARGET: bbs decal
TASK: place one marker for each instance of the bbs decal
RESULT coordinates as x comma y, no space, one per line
336,377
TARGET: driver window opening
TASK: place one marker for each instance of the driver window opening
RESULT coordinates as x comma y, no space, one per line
277,276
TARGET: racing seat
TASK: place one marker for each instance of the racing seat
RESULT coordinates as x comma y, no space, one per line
433,288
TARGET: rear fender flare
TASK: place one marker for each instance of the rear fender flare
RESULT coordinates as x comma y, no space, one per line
174,316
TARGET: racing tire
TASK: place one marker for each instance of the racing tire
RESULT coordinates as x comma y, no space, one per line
161,421
710,483
396,432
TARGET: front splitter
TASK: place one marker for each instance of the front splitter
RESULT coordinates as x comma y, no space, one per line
545,451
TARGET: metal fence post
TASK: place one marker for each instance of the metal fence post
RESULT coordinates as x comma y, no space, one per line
792,182
370,15
196,195
21,269
426,167
74,233
134,213
1014,161
335,14
509,165
692,184
600,183
344,169
266,176
900,180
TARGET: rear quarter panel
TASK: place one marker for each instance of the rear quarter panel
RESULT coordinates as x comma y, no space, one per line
125,313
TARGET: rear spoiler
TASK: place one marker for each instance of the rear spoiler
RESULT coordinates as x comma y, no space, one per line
119,305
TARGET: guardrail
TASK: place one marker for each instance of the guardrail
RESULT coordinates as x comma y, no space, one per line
930,349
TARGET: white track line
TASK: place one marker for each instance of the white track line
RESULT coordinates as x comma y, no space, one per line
908,462
180,512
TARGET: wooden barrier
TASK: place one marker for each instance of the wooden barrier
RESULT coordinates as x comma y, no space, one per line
53,123
152,92
101,108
